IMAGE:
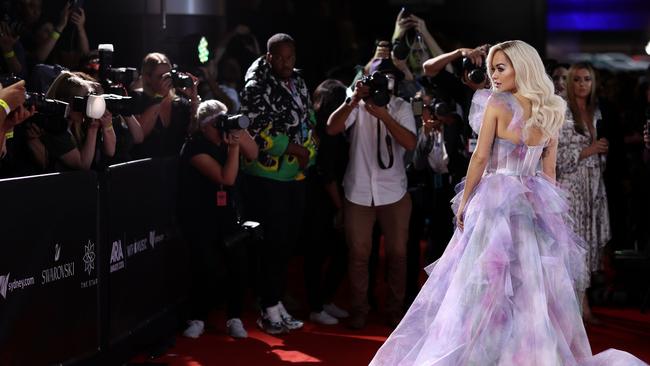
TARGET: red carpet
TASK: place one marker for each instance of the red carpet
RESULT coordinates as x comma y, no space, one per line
625,329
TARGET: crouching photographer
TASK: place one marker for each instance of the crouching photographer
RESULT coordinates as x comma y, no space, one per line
375,183
208,213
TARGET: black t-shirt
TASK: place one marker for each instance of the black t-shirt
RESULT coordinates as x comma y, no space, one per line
166,141
124,141
198,194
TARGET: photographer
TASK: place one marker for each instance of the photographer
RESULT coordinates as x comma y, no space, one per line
375,183
208,214
412,41
440,152
471,73
12,113
407,86
69,142
167,119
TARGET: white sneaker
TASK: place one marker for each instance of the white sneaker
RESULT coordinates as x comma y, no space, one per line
288,321
323,318
335,311
236,328
195,329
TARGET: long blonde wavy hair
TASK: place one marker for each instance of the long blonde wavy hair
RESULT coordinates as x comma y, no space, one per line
532,82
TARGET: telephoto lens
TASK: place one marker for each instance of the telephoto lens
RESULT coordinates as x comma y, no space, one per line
227,123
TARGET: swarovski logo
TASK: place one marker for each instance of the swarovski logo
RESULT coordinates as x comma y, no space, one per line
57,252
117,256
57,273
89,257
4,280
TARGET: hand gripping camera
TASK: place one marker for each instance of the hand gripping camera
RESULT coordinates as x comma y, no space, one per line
377,82
474,73
226,123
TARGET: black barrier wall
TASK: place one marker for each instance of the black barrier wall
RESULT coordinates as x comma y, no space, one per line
91,268
147,260
48,269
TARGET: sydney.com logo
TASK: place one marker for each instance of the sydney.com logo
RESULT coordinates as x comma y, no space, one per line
9,286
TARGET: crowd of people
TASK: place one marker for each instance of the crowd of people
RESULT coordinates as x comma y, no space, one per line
327,171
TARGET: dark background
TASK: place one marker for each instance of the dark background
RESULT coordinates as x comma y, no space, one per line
329,33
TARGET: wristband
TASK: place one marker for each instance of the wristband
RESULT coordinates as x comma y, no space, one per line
55,35
9,54
4,105
108,128
9,135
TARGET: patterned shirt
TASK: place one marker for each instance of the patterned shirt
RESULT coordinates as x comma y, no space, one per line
280,113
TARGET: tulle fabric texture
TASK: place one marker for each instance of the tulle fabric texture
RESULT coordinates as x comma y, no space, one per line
503,293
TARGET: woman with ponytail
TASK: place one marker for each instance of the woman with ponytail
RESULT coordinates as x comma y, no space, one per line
505,292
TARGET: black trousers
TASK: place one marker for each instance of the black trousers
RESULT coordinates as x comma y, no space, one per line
324,247
218,273
279,207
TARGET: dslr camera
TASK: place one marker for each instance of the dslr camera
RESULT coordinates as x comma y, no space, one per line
377,82
114,80
475,74
226,123
180,79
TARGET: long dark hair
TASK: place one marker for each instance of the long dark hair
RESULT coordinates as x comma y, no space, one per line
328,96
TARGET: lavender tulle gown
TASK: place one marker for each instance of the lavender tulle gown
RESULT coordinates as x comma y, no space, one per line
503,292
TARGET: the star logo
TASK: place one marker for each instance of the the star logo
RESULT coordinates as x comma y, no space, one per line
89,257
4,281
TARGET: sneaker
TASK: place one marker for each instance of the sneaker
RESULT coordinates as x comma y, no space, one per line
271,327
335,311
323,318
289,321
271,322
236,328
194,329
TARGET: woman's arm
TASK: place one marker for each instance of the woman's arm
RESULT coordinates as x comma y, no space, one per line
78,18
7,42
87,151
148,118
108,134
249,148
135,128
479,158
549,159
211,168
43,50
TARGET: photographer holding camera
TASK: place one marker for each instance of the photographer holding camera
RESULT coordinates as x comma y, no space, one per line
412,41
172,100
470,66
12,113
68,141
441,153
208,212
375,183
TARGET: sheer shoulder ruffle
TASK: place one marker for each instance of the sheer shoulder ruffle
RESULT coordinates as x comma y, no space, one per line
485,97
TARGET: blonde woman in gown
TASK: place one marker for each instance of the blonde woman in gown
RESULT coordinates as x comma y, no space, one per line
504,291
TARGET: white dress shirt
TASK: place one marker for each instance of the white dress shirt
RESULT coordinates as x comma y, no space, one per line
365,183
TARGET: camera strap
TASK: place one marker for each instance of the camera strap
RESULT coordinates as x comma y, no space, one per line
389,147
